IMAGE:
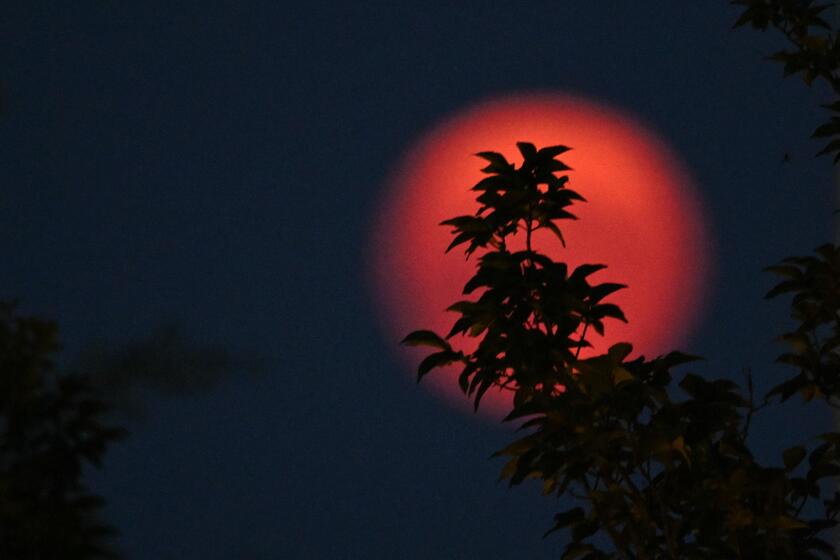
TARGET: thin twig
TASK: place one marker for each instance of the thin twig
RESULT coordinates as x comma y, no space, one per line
582,338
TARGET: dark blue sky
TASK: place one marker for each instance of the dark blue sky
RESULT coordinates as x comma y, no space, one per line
216,167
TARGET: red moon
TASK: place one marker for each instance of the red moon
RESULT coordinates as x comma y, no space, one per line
643,219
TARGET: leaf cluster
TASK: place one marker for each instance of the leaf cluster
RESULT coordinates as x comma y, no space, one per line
530,196
661,468
814,345
531,314
50,428
814,53
669,477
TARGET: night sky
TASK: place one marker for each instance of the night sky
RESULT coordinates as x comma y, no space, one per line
194,186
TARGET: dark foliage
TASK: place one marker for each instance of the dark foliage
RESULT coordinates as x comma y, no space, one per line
814,51
49,431
660,468
656,468
814,282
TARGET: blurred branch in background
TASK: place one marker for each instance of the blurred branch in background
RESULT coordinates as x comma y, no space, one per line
166,362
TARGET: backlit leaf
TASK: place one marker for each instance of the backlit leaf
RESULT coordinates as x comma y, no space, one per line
425,338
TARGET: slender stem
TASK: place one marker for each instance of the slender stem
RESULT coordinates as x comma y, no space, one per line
528,231
582,338
528,271
746,431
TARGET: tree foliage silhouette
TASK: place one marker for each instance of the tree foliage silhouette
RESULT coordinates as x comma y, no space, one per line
50,428
813,53
657,468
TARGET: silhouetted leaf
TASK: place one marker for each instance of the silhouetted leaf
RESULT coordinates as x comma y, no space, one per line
793,456
556,231
618,352
425,338
609,310
599,292
528,150
829,129
498,163
789,387
673,359
550,152
577,550
436,360
832,146
585,270
491,183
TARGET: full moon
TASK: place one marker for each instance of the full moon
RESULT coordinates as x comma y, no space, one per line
643,219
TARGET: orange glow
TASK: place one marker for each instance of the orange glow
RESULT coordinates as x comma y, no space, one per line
643,219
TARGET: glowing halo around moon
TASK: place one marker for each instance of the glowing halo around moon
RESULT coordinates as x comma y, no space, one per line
643,219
